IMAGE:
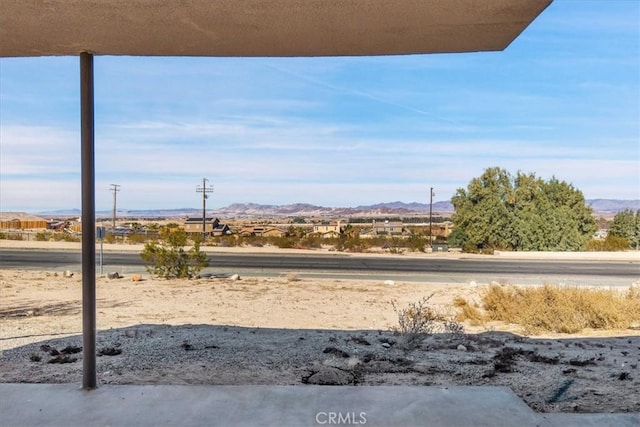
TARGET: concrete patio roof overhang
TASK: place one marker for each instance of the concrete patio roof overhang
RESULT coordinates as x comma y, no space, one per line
237,28
260,27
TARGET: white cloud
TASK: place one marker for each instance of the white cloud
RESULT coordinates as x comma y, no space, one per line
39,194
38,150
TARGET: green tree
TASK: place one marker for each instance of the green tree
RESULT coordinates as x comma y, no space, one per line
482,216
498,211
627,225
570,222
169,257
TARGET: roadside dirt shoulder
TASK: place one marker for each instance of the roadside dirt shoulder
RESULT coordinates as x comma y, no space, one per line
626,256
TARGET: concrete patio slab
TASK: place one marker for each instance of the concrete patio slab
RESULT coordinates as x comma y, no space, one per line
178,405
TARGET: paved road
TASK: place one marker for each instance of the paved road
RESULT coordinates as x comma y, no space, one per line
342,264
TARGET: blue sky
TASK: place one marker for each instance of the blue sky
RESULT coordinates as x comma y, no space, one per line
563,100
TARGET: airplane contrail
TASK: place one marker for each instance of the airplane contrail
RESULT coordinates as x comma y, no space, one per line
360,93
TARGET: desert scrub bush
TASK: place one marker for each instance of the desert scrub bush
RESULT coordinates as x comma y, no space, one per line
633,293
309,242
65,237
417,243
352,244
196,238
42,236
10,236
71,237
282,242
611,243
225,241
558,309
136,238
419,318
254,241
468,312
169,258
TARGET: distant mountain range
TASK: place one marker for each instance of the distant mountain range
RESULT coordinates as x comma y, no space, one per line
253,210
307,210
613,206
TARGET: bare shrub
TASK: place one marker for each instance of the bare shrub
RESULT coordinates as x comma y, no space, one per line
418,318
452,327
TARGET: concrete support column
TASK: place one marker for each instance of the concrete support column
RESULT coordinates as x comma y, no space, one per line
88,223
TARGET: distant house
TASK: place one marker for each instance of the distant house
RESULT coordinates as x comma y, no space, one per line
221,230
398,229
328,229
390,229
58,225
74,226
21,221
66,225
367,233
262,231
212,226
601,234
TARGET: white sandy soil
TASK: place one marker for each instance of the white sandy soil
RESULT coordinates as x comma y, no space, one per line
297,331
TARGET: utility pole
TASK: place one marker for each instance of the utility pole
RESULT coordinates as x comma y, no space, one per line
115,188
204,190
431,194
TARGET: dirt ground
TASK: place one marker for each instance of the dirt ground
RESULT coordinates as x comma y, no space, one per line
298,331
